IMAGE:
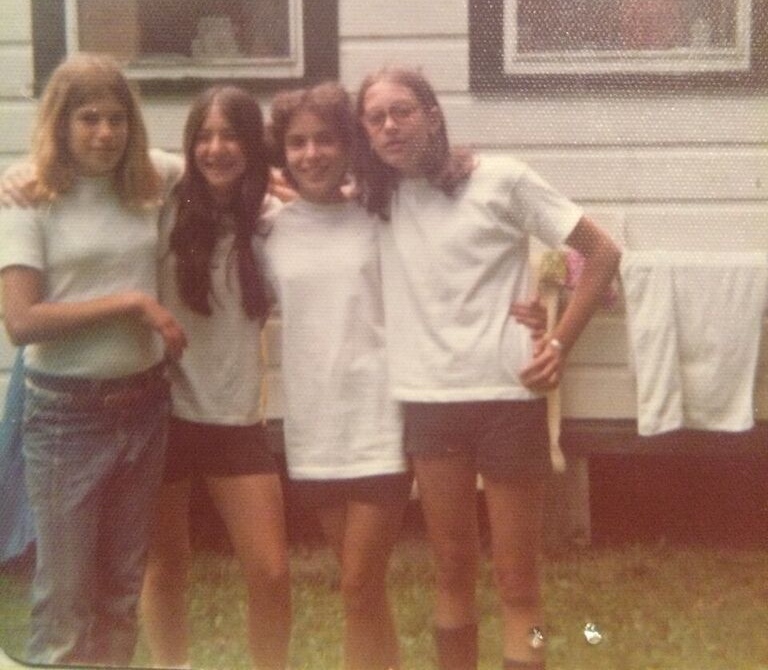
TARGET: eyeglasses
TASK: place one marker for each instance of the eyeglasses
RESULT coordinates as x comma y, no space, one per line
399,113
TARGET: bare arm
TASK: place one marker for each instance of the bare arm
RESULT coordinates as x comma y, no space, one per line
601,262
28,318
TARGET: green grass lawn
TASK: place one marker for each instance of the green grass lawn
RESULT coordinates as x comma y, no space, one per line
658,607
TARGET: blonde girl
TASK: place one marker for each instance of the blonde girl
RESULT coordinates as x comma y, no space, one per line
79,290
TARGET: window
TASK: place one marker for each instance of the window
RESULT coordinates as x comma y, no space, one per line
194,40
628,42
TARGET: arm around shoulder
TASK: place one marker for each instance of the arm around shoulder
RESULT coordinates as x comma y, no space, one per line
169,166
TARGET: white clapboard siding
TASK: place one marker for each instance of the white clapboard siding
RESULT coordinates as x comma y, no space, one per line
613,119
17,79
165,121
395,18
599,392
16,25
656,174
444,60
16,121
723,226
165,118
603,342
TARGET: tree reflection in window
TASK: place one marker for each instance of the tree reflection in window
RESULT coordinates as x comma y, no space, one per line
150,30
612,25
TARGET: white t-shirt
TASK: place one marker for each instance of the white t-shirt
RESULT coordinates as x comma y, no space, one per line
218,378
340,421
452,265
88,245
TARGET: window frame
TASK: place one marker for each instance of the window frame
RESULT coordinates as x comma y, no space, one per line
318,49
488,76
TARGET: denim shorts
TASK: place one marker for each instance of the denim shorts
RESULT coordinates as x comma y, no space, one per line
502,439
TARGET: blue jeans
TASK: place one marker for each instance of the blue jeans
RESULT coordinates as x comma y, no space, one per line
94,453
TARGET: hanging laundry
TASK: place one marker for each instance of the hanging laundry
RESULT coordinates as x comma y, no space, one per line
694,321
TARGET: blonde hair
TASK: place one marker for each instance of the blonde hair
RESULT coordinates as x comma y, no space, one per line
75,82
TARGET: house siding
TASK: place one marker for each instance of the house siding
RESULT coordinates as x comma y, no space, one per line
687,170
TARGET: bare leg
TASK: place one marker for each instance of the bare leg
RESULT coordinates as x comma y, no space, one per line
333,522
447,489
163,597
368,533
448,492
515,512
251,507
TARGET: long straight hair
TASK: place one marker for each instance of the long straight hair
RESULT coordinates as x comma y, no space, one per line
444,166
81,79
197,230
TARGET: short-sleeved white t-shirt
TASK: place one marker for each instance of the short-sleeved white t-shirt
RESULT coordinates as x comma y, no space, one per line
340,421
452,266
87,245
218,379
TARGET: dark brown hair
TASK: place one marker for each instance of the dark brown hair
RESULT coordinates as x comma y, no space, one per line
330,102
196,230
445,167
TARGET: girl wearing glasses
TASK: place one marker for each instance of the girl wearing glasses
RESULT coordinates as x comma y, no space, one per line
455,251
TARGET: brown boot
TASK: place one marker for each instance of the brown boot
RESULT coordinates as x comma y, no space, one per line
457,647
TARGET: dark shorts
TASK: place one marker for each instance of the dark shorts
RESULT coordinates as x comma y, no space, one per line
211,450
314,493
504,439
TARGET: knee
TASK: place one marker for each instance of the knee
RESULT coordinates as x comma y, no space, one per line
166,569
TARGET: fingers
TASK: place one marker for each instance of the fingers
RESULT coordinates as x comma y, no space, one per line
16,184
166,325
280,187
531,314
175,341
12,196
544,373
173,335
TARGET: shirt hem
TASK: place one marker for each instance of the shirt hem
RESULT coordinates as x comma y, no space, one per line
343,473
463,394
